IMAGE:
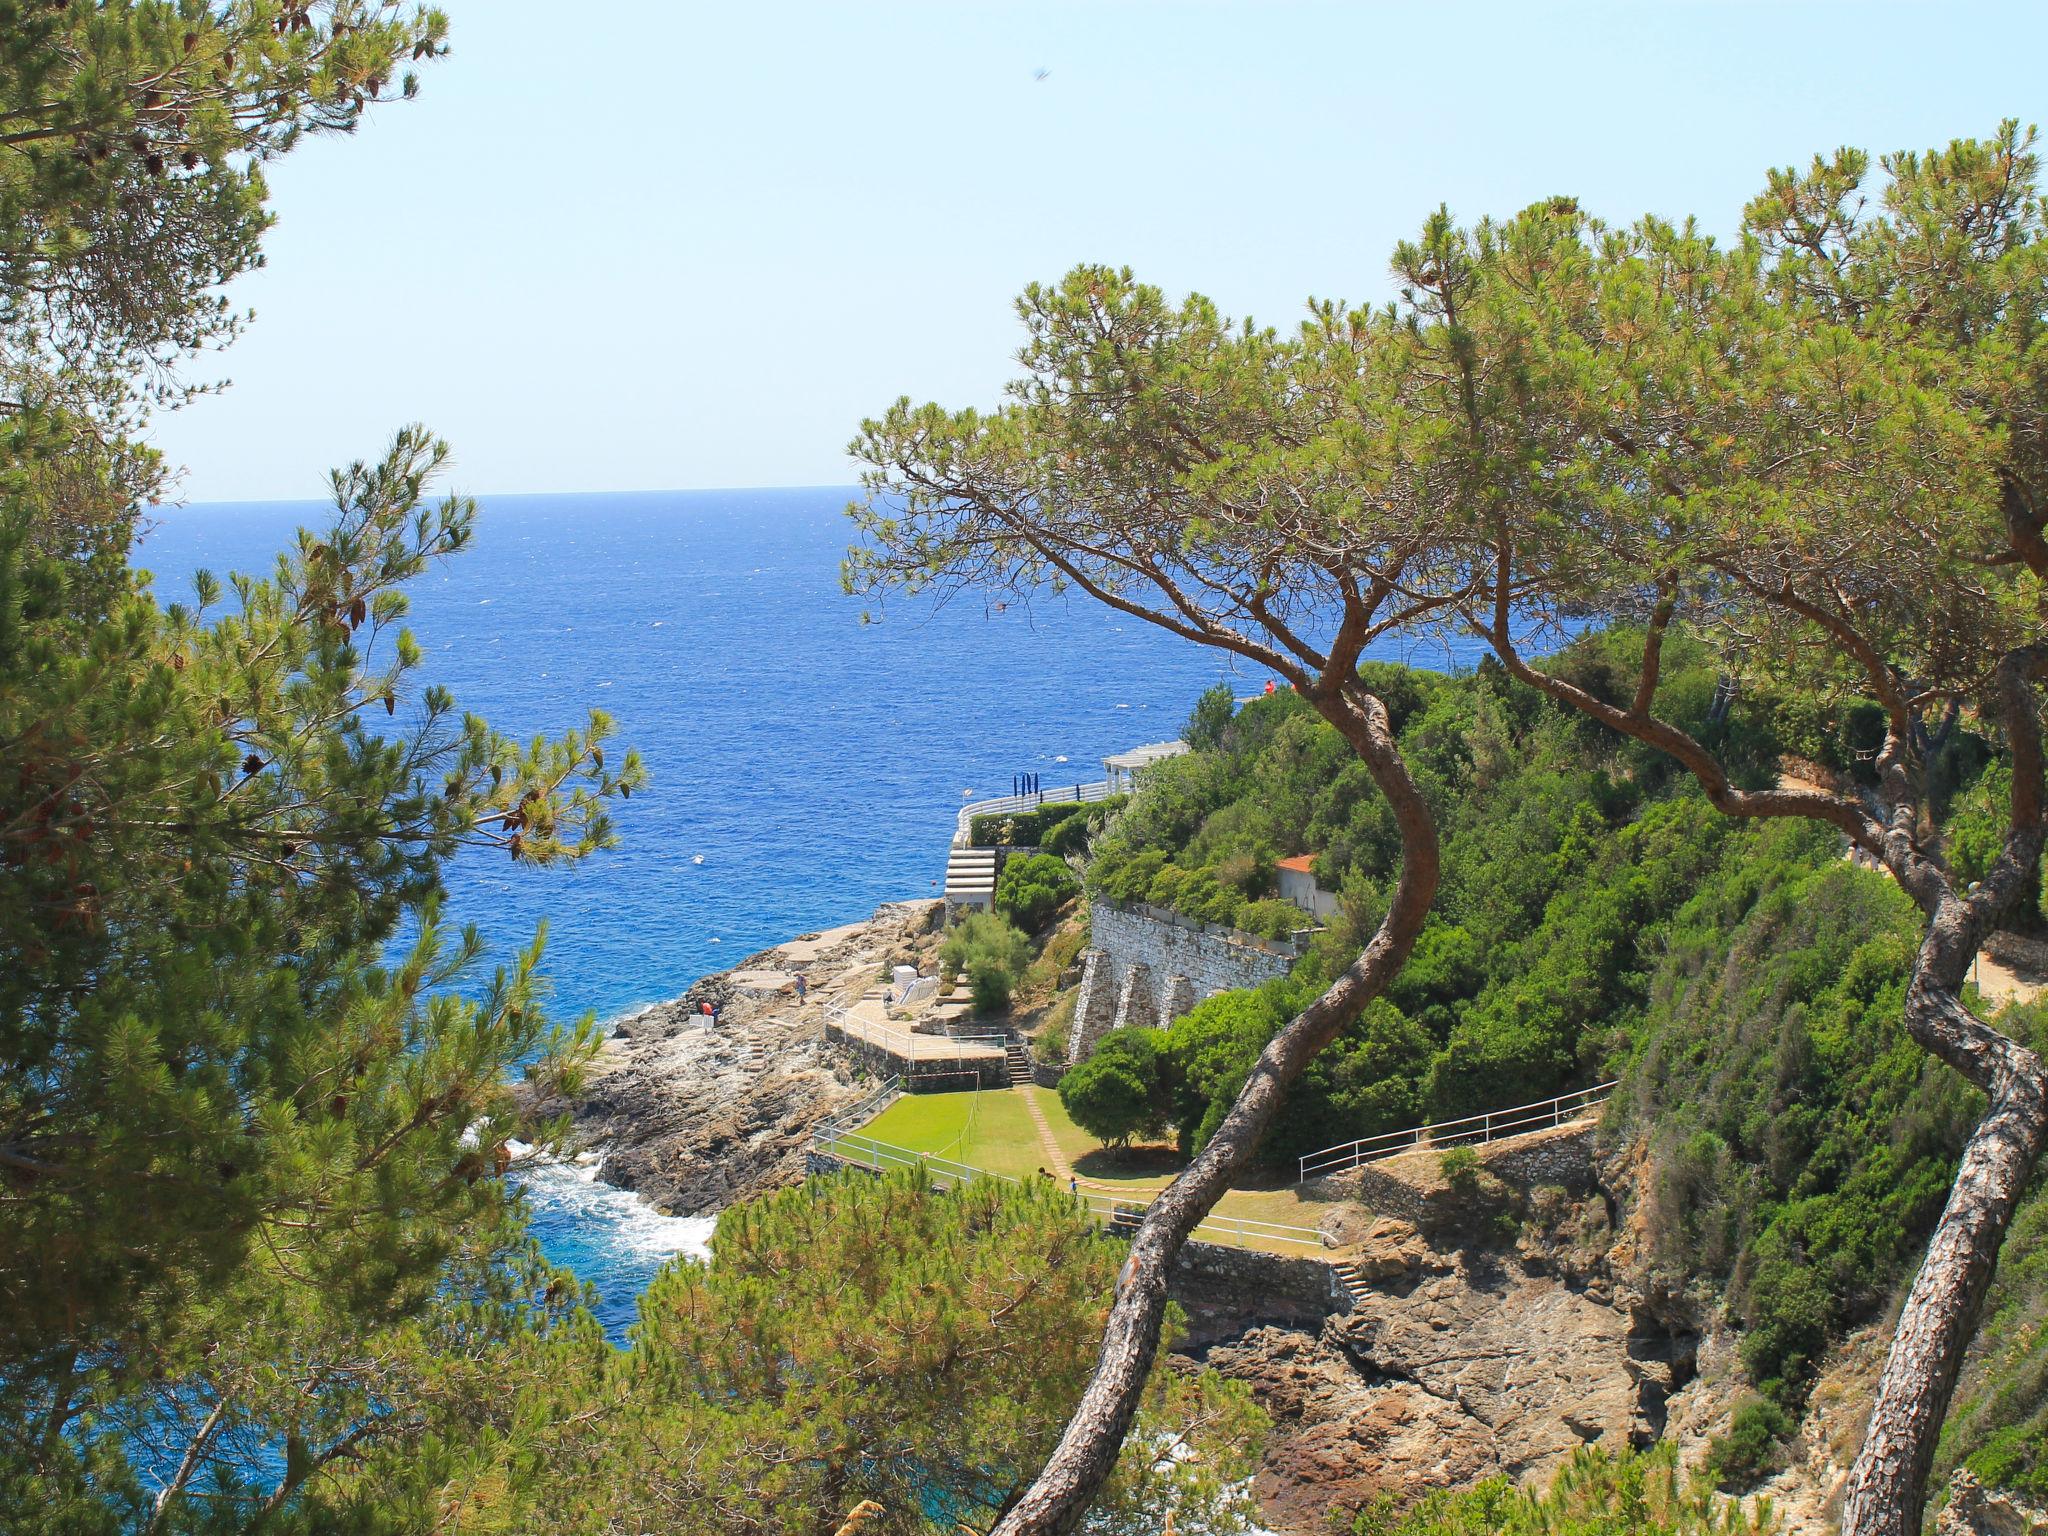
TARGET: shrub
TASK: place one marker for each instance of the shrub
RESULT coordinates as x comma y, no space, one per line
1036,827
1460,1168
1641,1493
1211,718
1128,876
1030,890
992,955
1752,1448
1272,919
1070,836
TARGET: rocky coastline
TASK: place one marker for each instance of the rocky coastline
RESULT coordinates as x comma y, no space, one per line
694,1117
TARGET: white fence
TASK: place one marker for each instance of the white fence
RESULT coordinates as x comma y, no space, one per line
1117,1212
859,1113
1058,794
1491,1126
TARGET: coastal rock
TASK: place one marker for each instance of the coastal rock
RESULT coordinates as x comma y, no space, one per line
694,1118
1974,1510
1493,1337
1479,1370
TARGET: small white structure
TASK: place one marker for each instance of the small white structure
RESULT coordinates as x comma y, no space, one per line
1298,885
1123,769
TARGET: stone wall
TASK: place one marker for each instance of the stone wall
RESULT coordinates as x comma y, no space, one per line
1227,1290
944,1076
1149,966
2017,950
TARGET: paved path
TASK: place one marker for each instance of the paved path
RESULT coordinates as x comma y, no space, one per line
1046,1142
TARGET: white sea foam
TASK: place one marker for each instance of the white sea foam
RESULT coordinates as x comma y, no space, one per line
607,1027
615,1219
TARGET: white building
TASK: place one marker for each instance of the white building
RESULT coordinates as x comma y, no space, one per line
1123,769
1298,885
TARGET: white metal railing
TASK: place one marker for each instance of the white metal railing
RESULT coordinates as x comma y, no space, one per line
1490,1126
1058,794
1117,1212
860,1112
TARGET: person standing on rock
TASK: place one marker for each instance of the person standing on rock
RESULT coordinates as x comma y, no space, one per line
803,988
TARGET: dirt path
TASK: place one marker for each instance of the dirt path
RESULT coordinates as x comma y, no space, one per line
1046,1141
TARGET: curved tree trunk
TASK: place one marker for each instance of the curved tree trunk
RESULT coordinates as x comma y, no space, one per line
1062,1492
1887,1490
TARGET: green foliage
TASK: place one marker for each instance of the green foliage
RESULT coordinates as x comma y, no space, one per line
259,1264
1032,889
1059,827
1210,718
1564,854
865,1338
1753,1447
1272,919
1802,1143
1597,1493
250,1123
132,188
1460,1168
1122,1090
992,955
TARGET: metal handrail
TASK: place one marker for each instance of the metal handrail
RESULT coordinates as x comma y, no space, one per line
1112,1211
862,1111
1489,1126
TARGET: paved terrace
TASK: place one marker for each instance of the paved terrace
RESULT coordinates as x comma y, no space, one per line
933,1060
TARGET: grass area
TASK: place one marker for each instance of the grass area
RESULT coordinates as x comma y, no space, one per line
994,1130
991,1130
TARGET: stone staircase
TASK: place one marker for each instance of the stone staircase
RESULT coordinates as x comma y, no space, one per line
1020,1065
971,877
753,1055
1349,1277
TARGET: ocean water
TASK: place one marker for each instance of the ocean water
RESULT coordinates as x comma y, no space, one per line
803,766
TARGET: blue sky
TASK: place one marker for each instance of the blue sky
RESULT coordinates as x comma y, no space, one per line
640,245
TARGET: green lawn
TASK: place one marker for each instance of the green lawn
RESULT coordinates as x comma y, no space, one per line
994,1131
991,1130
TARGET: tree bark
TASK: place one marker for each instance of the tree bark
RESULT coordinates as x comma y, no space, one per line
1887,1490
1059,1497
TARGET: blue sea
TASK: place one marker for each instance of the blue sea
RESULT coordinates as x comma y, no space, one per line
804,766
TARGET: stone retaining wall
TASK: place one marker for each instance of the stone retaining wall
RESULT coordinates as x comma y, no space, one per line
948,1076
1227,1290
1149,966
1412,1187
2017,950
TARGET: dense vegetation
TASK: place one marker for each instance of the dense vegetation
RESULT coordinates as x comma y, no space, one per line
862,1339
1564,853
1595,1494
1599,918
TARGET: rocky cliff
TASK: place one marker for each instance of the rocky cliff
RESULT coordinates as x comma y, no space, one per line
1508,1319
